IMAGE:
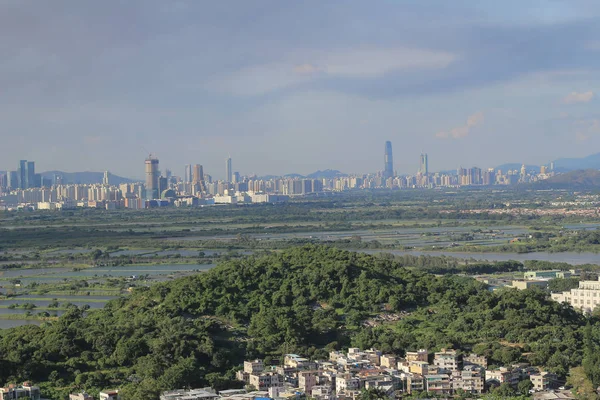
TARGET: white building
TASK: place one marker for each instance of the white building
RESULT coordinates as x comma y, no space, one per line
586,297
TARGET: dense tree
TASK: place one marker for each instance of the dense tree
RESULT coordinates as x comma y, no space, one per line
195,331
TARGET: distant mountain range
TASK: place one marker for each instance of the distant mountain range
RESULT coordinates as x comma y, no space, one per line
573,180
570,164
328,174
560,165
85,177
516,166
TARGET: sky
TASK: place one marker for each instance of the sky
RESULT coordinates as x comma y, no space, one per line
296,86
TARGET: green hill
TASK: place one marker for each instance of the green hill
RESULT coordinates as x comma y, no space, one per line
579,179
194,331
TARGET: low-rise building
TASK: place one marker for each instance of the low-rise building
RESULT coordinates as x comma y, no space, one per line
550,274
474,359
438,384
112,394
522,285
189,394
502,375
80,396
344,382
413,383
254,366
447,360
420,355
307,380
264,381
322,392
388,361
585,298
471,379
543,381
419,367
24,391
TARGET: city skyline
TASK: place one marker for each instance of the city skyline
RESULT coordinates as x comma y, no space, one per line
482,81
191,172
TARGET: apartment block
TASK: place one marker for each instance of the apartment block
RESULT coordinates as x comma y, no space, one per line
447,360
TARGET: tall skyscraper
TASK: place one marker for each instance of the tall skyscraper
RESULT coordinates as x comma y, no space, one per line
31,178
198,174
152,174
106,178
26,175
388,170
12,179
187,176
424,164
228,170
22,172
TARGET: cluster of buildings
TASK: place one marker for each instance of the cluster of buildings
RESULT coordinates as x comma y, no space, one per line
424,179
24,391
27,391
23,178
531,279
345,375
24,188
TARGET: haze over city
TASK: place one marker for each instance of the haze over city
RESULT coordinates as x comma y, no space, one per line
295,87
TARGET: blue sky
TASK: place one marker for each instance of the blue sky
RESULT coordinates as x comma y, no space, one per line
286,86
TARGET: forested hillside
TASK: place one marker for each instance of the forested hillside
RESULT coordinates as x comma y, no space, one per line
194,331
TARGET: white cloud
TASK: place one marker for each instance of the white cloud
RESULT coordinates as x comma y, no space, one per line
303,66
306,69
464,130
586,129
575,97
378,62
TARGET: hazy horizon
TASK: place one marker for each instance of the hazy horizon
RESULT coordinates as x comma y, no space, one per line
295,87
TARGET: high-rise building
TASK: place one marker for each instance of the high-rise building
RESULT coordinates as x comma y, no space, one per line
106,178
424,164
187,176
388,159
26,175
22,172
152,174
228,170
32,180
12,179
198,174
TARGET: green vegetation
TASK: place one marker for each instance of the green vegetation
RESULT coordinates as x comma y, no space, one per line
195,331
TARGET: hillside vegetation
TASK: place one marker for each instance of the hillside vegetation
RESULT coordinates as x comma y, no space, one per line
578,179
195,331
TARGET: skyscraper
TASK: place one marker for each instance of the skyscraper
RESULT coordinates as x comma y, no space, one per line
198,174
26,175
424,164
228,170
31,179
22,172
106,178
12,180
152,184
388,170
188,173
